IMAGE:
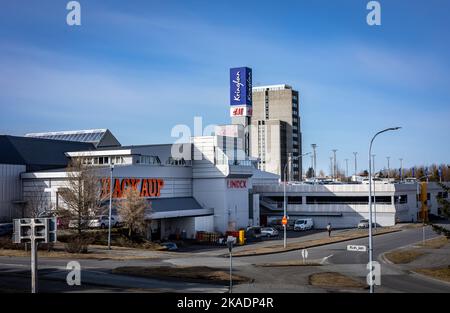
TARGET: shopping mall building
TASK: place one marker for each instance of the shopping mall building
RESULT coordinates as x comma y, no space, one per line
207,184
197,186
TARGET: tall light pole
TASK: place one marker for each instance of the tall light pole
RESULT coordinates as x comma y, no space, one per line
346,168
401,169
331,167
314,146
356,165
334,167
374,193
284,195
370,205
110,204
388,168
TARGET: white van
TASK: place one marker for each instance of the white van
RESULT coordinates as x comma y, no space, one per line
304,224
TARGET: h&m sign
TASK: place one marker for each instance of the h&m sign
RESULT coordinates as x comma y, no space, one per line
147,187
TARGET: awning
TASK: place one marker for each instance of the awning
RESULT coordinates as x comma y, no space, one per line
176,207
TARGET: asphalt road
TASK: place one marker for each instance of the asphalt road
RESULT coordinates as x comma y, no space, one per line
97,277
336,258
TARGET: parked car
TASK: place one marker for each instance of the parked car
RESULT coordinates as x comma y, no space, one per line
61,223
6,229
253,233
304,224
171,246
365,224
269,232
101,221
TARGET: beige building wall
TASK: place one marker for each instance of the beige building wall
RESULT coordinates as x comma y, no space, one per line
276,107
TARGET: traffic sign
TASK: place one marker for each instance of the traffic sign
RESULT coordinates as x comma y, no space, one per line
284,221
356,248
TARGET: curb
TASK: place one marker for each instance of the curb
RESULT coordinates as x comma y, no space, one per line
425,277
310,246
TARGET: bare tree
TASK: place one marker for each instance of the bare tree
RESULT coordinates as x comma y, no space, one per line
82,194
132,210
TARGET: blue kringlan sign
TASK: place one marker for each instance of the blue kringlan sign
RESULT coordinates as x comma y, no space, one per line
241,86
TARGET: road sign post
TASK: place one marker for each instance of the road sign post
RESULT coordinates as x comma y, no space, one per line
34,231
284,221
230,241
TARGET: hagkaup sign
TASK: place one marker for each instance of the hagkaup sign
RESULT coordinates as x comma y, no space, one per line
147,187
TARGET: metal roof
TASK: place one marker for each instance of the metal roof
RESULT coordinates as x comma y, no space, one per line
36,153
94,136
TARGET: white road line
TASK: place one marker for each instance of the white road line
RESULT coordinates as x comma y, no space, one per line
326,258
14,265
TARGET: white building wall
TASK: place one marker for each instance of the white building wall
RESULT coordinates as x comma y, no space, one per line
346,215
210,193
10,190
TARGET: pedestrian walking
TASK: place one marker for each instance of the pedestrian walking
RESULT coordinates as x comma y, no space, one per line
329,229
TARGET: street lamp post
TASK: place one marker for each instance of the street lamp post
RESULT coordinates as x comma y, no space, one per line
370,205
314,146
334,166
388,168
346,169
110,204
374,193
401,169
356,167
284,195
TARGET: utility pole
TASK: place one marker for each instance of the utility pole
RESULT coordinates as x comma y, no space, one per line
356,166
335,167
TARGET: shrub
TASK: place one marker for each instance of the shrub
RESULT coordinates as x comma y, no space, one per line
78,244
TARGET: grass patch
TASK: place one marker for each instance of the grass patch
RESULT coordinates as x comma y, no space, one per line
289,263
403,256
435,243
179,273
66,255
441,273
335,280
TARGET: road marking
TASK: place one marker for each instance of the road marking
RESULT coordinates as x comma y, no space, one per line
326,258
14,265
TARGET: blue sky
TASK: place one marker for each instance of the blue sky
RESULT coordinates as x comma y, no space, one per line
141,67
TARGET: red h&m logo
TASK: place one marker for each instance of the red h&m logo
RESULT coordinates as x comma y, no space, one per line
237,183
238,112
